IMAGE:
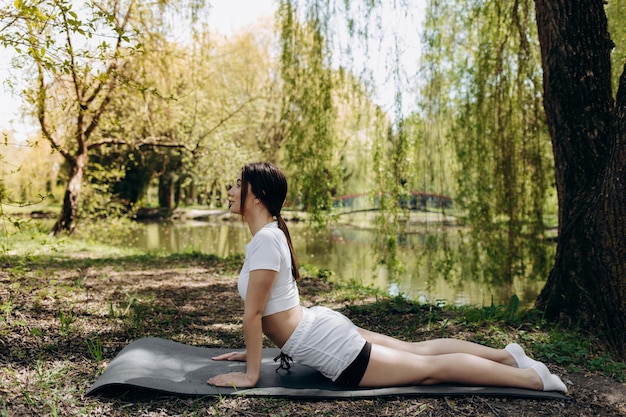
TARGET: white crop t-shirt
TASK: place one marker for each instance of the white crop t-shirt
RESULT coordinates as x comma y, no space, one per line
268,249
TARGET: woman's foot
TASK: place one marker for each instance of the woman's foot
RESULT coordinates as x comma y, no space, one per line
550,381
519,355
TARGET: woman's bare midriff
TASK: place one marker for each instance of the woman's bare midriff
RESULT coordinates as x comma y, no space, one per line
279,327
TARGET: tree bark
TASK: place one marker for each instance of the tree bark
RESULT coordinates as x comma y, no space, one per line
67,218
587,285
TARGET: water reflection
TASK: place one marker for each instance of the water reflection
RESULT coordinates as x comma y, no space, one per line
436,271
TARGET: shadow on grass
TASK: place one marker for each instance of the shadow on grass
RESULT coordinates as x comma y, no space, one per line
139,261
52,308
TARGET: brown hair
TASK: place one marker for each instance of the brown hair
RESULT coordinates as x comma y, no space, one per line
269,185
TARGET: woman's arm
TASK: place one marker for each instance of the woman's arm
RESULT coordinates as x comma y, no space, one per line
259,288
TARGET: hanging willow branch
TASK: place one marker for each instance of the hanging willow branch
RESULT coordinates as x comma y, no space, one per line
308,112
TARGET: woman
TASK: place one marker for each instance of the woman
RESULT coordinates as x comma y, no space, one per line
325,339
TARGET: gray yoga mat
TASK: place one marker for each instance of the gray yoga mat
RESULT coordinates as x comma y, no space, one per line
166,367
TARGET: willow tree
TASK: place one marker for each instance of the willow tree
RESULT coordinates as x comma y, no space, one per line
308,111
482,91
587,127
587,123
501,146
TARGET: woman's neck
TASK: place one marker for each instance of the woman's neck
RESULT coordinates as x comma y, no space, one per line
256,223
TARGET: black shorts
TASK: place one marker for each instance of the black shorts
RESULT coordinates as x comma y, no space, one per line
353,374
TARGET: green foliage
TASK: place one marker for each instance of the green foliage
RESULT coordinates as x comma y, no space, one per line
483,91
66,318
191,131
25,184
570,350
390,161
74,55
508,313
95,347
615,12
479,136
555,345
171,124
158,113
313,271
307,111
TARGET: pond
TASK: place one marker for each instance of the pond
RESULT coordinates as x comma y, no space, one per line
348,251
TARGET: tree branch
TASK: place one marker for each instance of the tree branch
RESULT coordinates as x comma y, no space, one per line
41,112
152,141
229,116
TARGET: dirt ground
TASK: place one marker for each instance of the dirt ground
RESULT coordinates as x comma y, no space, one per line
62,322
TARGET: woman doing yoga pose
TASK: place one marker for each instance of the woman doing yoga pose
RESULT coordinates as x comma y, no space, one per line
326,340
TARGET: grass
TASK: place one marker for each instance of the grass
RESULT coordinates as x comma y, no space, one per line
65,313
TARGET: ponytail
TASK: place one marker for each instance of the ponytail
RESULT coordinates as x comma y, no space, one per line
294,264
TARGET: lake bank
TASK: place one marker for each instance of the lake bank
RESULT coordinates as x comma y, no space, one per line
436,255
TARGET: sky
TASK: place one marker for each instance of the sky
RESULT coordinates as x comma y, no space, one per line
226,17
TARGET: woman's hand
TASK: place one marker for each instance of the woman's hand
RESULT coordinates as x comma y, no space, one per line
232,356
233,379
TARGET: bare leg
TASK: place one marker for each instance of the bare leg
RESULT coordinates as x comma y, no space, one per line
391,367
440,347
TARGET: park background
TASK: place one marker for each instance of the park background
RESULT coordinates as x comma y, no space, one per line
387,84
424,148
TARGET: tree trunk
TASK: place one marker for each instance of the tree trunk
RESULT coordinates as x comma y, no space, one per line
587,285
166,191
67,219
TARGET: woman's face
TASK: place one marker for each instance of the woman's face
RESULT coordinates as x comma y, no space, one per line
234,197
